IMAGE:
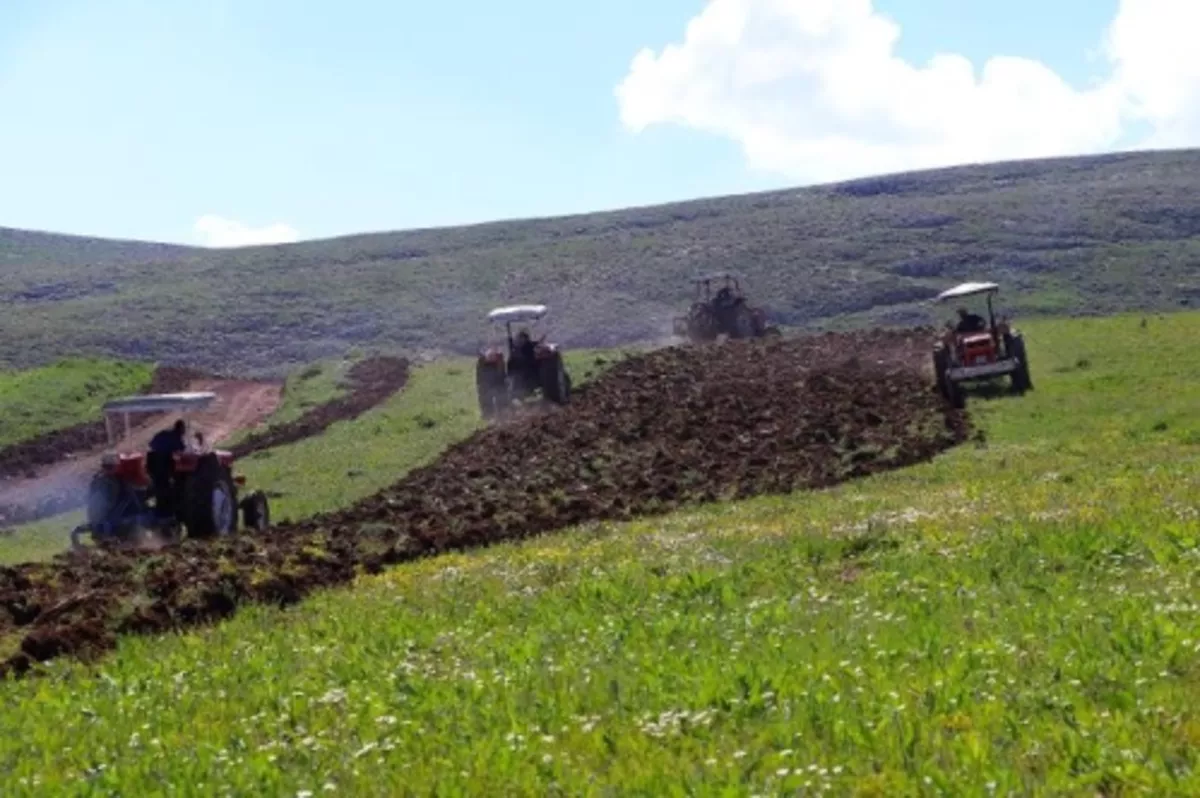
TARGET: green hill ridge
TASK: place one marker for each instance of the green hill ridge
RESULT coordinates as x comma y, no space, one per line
1065,236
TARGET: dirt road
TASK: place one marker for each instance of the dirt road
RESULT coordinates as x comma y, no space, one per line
239,404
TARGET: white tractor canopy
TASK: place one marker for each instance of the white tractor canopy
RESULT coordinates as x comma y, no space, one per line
151,403
161,402
517,313
968,289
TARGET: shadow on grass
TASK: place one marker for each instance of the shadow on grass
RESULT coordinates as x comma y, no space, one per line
991,391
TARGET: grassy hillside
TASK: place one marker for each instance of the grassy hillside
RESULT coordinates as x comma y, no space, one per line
1064,236
20,249
1015,617
62,394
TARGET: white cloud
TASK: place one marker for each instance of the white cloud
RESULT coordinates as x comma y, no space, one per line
213,231
1156,66
814,89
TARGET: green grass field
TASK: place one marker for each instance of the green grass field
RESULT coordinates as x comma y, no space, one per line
1016,617
69,392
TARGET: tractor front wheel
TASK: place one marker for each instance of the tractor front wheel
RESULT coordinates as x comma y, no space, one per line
209,500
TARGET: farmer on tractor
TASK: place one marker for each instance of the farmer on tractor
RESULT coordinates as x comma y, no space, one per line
969,322
160,464
525,346
525,358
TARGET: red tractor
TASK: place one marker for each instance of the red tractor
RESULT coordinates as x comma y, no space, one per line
523,369
978,349
137,492
725,313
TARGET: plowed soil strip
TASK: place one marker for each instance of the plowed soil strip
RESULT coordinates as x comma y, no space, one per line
369,383
671,428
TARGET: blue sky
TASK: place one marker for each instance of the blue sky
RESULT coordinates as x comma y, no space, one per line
134,118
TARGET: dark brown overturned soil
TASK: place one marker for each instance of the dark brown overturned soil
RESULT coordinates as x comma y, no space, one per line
674,427
24,458
368,383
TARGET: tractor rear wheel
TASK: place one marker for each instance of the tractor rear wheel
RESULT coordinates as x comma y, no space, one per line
209,500
957,395
939,371
256,513
1021,381
556,385
742,325
951,390
702,323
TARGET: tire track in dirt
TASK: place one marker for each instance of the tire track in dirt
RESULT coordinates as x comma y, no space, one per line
368,384
671,428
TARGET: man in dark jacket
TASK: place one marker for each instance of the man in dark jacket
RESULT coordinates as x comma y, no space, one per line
525,360
969,322
170,441
160,464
